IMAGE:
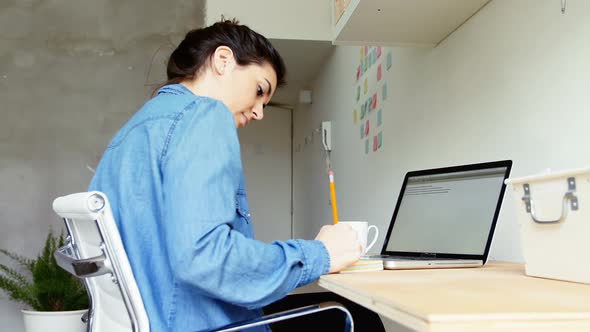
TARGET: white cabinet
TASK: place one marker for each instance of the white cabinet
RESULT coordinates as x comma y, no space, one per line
417,23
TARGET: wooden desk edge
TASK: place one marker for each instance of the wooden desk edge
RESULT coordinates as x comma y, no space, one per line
395,312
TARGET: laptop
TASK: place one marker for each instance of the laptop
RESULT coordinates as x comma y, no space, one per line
445,217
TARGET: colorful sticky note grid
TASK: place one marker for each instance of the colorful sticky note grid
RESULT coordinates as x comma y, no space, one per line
384,91
389,60
374,101
379,73
379,117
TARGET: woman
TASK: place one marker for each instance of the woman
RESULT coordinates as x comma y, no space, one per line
174,178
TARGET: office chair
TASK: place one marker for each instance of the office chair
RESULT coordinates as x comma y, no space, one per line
95,253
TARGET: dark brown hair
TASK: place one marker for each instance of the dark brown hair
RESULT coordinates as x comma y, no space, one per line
248,47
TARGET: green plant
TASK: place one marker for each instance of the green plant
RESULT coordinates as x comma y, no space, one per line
43,285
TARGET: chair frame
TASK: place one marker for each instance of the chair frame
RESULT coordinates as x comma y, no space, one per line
68,257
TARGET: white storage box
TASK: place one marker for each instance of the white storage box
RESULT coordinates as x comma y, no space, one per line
554,212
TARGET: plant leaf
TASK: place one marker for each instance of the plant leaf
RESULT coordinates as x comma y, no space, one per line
21,260
15,275
51,288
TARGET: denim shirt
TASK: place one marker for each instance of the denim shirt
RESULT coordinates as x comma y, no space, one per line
174,178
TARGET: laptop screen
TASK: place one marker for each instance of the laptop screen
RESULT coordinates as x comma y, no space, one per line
450,212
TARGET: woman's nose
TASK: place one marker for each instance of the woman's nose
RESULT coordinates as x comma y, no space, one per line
258,112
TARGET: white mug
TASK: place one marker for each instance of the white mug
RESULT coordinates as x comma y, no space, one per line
362,228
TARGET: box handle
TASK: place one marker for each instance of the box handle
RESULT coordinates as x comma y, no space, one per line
568,196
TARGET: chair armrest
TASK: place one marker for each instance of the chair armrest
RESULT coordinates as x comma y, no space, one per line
81,268
288,314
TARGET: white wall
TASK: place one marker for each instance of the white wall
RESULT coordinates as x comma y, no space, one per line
511,83
301,19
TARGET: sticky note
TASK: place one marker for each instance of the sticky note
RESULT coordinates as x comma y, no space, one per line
362,130
367,146
358,92
375,143
379,117
363,111
378,52
355,116
379,139
366,50
379,73
366,86
362,53
389,60
374,101
367,128
358,72
384,91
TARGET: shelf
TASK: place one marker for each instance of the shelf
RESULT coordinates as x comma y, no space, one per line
417,23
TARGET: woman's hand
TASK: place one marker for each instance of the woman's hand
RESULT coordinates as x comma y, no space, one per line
342,244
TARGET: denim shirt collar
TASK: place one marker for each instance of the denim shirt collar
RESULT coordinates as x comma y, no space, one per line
175,89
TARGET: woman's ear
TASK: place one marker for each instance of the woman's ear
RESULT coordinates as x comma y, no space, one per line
223,60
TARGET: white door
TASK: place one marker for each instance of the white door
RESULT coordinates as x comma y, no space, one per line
266,156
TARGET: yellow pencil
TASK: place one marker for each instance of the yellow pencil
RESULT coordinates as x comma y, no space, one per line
333,197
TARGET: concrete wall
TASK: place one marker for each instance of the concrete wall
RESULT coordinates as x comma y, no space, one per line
70,74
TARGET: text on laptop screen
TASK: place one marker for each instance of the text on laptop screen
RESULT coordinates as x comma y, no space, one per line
447,213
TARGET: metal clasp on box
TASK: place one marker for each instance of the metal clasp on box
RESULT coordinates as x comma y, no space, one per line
569,196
